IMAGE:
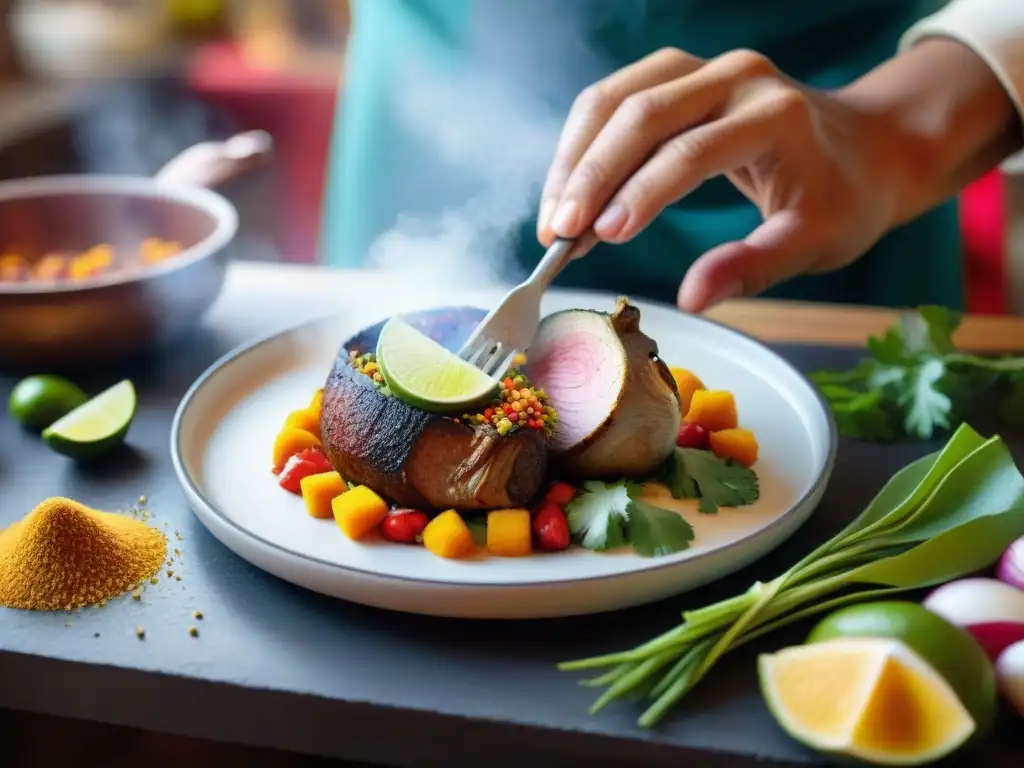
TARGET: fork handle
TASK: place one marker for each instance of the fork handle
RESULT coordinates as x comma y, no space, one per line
554,261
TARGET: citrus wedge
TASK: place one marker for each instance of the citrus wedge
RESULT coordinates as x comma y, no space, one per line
423,374
949,649
95,427
871,699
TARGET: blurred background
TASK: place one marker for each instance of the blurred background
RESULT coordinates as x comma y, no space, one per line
120,86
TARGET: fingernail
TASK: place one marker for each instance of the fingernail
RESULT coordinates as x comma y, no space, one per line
565,220
611,222
544,217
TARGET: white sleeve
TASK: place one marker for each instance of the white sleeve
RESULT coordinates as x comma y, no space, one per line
993,29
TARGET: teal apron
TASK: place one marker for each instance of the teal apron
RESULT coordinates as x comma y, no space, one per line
443,97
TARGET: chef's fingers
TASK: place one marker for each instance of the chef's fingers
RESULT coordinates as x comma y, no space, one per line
643,122
593,108
787,244
684,162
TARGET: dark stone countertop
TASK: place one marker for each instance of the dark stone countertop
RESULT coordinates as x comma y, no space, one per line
276,666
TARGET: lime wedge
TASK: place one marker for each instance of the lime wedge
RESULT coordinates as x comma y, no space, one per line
97,426
423,374
38,401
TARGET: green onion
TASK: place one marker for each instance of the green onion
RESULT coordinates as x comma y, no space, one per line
944,516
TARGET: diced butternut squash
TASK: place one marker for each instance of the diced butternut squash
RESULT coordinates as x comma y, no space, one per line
737,444
447,535
508,532
713,409
358,512
317,403
305,419
687,383
318,491
290,441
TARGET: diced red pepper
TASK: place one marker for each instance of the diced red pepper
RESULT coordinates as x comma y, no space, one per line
551,528
693,436
303,464
560,494
404,526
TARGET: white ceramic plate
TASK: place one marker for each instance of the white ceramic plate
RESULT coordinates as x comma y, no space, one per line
226,423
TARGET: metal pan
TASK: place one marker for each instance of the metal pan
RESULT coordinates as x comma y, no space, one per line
132,306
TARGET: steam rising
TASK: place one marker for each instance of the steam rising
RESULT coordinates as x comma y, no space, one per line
503,143
494,121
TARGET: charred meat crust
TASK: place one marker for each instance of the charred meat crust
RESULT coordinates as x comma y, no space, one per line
422,460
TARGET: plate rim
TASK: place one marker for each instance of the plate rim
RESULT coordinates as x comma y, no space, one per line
192,491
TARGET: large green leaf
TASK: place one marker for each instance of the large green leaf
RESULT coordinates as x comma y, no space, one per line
957,552
910,487
985,483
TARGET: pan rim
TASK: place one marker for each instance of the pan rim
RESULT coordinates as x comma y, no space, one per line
207,201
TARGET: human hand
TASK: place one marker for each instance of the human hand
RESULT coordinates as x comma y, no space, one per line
825,173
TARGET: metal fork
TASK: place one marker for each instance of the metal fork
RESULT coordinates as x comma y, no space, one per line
511,326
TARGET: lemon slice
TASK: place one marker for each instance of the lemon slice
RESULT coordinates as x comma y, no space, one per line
872,699
423,374
95,427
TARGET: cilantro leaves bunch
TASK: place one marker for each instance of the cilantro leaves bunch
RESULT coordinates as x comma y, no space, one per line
915,383
610,515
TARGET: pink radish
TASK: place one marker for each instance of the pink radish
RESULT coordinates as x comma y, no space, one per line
990,610
1011,566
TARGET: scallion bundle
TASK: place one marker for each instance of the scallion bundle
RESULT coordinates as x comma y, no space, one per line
942,517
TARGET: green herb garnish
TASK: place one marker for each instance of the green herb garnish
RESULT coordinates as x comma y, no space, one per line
609,515
944,516
915,383
694,474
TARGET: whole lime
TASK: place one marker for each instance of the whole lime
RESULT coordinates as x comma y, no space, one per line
950,650
38,401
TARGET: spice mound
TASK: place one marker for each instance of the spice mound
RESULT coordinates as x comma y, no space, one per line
66,555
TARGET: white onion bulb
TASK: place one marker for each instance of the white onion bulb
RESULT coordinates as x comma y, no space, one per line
1010,675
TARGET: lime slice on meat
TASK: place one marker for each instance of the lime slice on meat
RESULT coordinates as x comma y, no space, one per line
97,426
38,401
423,374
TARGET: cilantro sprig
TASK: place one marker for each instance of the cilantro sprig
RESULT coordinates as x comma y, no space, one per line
914,382
610,515
694,474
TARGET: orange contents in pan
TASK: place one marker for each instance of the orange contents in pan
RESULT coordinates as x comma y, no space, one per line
74,267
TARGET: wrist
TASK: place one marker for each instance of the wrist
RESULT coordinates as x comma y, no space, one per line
935,118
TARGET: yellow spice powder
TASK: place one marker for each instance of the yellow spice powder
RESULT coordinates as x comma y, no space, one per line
66,555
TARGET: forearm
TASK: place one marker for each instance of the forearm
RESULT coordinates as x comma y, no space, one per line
946,110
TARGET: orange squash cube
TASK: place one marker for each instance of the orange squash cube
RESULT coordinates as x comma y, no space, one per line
737,444
292,440
317,403
713,409
359,512
509,533
305,419
687,383
448,536
318,491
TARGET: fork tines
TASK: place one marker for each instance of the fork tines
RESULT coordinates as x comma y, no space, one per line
490,356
